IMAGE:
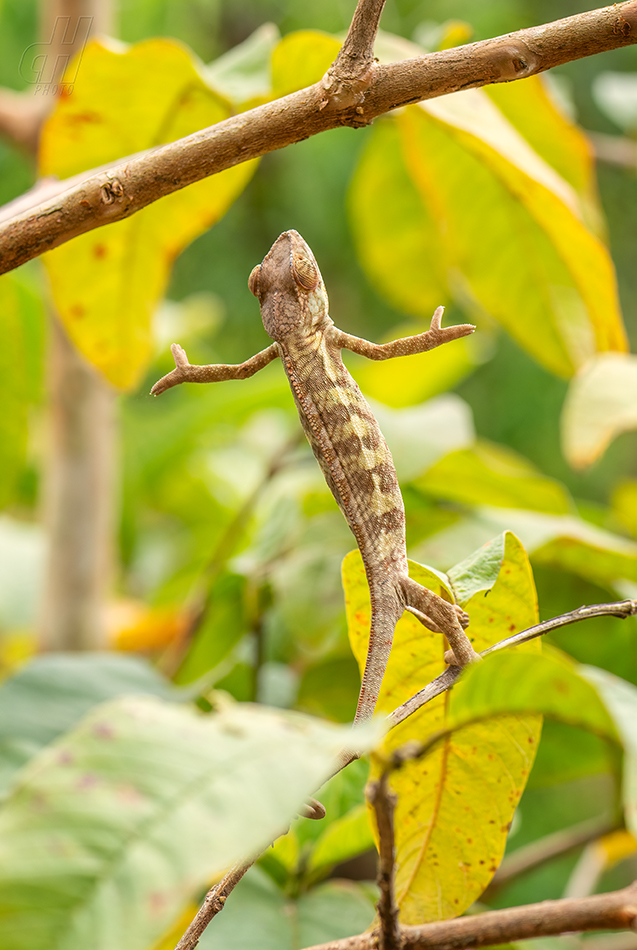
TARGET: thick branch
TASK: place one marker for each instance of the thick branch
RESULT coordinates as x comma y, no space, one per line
383,802
136,182
614,911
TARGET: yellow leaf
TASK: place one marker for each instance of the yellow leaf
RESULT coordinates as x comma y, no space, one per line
492,221
531,108
107,283
394,229
455,806
301,59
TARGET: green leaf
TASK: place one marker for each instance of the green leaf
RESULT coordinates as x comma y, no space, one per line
120,823
243,73
479,571
343,839
334,910
301,59
258,914
553,540
544,683
620,698
490,474
49,695
494,225
20,374
600,404
107,283
454,808
567,753
221,629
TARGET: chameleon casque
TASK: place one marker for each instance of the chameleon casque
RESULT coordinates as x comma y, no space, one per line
345,439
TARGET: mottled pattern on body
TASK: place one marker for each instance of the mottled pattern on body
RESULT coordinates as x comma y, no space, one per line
345,438
350,449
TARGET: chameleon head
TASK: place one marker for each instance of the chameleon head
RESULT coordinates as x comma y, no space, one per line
289,287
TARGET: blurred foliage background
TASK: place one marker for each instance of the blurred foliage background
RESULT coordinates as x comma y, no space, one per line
228,544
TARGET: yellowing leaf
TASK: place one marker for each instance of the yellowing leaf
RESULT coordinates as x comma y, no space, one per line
301,59
529,106
495,223
601,403
107,283
455,806
394,229
490,474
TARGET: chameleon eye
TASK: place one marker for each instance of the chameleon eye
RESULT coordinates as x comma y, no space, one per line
305,273
253,280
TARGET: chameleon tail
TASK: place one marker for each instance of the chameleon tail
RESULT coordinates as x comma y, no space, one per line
440,616
387,609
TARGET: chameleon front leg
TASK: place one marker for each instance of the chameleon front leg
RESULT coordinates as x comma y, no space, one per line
435,336
185,372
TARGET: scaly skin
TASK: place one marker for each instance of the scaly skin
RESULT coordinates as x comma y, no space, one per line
345,439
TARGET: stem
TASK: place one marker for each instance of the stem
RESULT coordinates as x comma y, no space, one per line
614,911
622,609
213,903
135,182
384,804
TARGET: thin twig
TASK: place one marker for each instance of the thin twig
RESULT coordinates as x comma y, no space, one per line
614,911
135,182
384,804
621,609
439,685
545,849
213,903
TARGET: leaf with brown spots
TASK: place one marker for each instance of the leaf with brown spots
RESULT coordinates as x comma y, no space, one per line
129,815
454,806
106,284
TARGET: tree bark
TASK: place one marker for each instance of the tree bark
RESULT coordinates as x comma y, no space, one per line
79,472
93,200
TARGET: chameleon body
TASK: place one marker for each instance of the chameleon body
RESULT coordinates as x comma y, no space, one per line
345,439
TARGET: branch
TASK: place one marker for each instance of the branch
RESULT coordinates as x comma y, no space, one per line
614,911
622,609
132,184
384,803
213,903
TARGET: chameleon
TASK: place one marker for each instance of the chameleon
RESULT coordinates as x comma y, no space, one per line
346,440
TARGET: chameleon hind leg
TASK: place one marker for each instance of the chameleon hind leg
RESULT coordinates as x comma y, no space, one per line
438,615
